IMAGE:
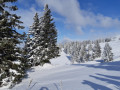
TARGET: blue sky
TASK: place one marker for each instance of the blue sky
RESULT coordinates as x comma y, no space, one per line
76,19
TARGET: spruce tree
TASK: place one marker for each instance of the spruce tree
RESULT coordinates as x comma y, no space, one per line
76,55
97,49
43,39
11,60
33,41
50,36
83,54
90,51
107,53
91,55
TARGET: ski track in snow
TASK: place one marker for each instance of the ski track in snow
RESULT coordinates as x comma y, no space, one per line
61,75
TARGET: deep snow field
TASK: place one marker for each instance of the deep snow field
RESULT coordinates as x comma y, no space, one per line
62,75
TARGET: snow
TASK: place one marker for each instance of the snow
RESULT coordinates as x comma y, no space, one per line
17,62
62,75
47,65
115,48
63,60
14,71
74,77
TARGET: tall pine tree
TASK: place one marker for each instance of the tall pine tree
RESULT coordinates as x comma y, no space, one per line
11,60
43,39
34,41
50,36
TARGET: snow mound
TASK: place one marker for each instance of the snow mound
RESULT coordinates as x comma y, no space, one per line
47,65
64,59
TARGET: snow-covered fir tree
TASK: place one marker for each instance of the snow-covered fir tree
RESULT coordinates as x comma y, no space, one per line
11,58
32,41
83,54
42,41
91,55
107,53
50,36
90,48
75,57
75,54
97,49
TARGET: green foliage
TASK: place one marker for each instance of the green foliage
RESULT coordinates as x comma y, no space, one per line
42,39
9,41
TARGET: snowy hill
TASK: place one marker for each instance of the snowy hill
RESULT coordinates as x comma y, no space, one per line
62,60
115,44
61,75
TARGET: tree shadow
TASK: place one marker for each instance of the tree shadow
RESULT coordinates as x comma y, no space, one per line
110,81
108,76
69,57
114,66
95,86
101,61
33,85
56,86
44,88
31,70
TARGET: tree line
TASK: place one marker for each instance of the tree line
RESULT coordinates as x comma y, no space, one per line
81,52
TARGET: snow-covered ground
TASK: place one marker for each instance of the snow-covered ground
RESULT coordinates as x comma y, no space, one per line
61,75
63,60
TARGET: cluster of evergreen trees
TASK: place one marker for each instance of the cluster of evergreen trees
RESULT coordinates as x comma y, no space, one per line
40,43
42,39
87,51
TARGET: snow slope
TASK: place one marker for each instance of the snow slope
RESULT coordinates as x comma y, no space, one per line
63,60
61,75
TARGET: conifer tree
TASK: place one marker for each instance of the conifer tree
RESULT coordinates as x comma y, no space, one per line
50,36
90,51
10,53
83,54
33,41
91,55
42,39
107,53
97,49
75,57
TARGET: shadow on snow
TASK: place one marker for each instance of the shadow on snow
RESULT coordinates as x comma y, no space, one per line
95,86
114,66
110,80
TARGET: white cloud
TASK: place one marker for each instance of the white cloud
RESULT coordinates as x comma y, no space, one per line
79,30
92,30
78,18
67,39
27,15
